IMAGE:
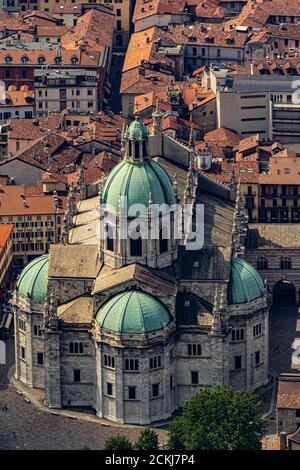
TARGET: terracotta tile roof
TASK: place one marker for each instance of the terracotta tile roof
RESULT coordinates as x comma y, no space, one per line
14,97
51,31
246,172
84,57
143,8
139,81
142,47
223,136
93,32
98,165
210,9
31,129
256,14
288,395
282,171
17,200
200,34
60,152
5,233
48,177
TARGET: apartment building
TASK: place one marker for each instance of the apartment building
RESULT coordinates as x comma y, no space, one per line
17,103
58,90
208,44
6,256
123,10
36,218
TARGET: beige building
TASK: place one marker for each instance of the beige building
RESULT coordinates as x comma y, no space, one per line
72,89
36,217
6,256
254,104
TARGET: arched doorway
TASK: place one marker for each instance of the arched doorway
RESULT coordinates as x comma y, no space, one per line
284,293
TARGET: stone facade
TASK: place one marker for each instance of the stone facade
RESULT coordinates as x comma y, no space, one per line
141,375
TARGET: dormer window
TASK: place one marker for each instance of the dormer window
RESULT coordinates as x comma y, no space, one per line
41,59
74,60
24,59
8,58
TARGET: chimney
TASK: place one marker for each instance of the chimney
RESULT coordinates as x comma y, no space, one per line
283,440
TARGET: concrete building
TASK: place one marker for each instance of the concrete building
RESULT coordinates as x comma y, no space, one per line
254,104
75,90
106,324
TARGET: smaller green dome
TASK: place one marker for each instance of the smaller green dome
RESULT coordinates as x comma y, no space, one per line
133,312
135,181
245,283
137,130
33,280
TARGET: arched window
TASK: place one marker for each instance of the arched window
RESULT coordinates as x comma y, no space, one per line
41,59
136,247
262,262
163,242
74,60
144,148
24,59
110,245
285,263
8,58
136,149
57,60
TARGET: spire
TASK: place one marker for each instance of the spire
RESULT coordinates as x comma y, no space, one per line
192,136
157,117
240,221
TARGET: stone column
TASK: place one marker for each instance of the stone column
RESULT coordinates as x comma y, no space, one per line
29,351
145,392
52,369
119,388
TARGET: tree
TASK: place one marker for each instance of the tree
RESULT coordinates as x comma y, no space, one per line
219,418
118,442
147,440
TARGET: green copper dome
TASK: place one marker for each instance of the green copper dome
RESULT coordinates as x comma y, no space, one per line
134,181
137,130
133,312
33,280
245,284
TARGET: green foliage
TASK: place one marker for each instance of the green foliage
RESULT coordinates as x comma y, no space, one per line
219,418
147,440
118,442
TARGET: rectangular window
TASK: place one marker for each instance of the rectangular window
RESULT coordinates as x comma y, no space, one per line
131,364
257,329
257,358
76,348
109,361
40,358
22,352
155,390
109,388
171,382
76,375
37,330
195,377
131,393
237,362
194,349
237,334
155,362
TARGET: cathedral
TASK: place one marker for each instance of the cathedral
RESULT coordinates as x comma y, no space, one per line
132,328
